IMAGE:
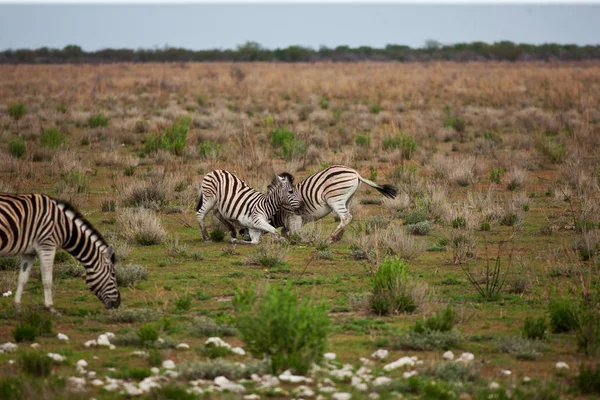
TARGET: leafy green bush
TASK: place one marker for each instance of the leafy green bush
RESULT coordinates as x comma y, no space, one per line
277,325
183,303
405,143
428,340
496,174
588,379
24,333
518,346
363,140
414,216
17,147
17,110
389,287
130,274
51,138
98,121
420,228
35,363
209,149
457,123
11,387
8,263
219,367
171,391
147,334
137,374
131,315
217,235
562,317
535,328
376,108
205,326
554,150
73,181
289,143
267,255
172,139
442,321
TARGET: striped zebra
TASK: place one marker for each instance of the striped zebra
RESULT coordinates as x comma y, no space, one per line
237,202
36,224
328,190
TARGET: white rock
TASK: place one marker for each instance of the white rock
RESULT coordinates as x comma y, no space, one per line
380,354
132,390
160,340
216,341
63,337
35,345
341,396
466,357
91,343
57,357
361,387
303,391
155,371
526,379
7,294
97,382
109,335
103,340
448,355
168,364
239,351
494,385
171,374
327,389
252,396
342,374
9,347
82,363
562,365
287,376
112,347
402,362
225,384
76,384
148,384
374,396
91,374
11,362
330,356
182,346
408,374
506,372
111,387
139,353
366,361
381,380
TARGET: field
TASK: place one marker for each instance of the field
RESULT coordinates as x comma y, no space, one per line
497,166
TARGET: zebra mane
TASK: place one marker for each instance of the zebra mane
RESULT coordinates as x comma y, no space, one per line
275,183
78,216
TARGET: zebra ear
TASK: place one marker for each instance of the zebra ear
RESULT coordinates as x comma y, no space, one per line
281,179
110,254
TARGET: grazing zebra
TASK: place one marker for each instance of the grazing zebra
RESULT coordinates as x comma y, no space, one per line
238,202
328,190
33,224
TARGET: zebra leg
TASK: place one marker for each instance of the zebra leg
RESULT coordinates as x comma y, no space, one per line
229,226
25,268
262,226
206,206
345,218
46,263
254,236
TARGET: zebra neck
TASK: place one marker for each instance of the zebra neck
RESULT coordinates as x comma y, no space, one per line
80,239
272,202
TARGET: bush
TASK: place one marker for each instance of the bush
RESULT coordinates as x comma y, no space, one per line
183,303
363,140
35,363
390,291
290,332
17,147
267,255
522,348
442,321
289,143
137,374
145,193
109,205
31,325
552,149
496,174
562,317
68,271
205,326
171,391
130,274
375,108
217,235
429,340
420,228
51,138
209,149
141,226
415,216
141,126
131,315
8,263
148,334
535,328
11,387
172,139
406,144
588,379
17,110
98,121
24,333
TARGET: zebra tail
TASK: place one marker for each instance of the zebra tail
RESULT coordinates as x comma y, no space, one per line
389,191
200,202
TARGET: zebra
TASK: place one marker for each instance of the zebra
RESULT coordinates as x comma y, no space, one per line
322,192
237,202
36,224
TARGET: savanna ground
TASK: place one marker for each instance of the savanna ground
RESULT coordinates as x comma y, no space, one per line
505,165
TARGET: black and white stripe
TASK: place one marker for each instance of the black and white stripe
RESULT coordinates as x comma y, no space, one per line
328,190
237,202
36,224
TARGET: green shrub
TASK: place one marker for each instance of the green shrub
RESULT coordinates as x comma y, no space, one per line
458,222
131,315
183,303
24,333
290,332
376,108
535,328
8,263
213,352
485,227
172,391
141,126
289,143
453,372
17,147
51,138
137,374
35,363
405,143
17,110
209,149
147,334
554,150
496,174
389,287
457,123
172,139
420,228
109,205
11,387
428,340
74,181
205,326
130,274
267,255
562,316
588,379
414,216
442,321
217,235
98,121
129,171
363,140
518,346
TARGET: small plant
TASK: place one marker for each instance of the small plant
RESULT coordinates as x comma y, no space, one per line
588,379
141,126
141,226
205,326
129,171
131,315
11,387
406,144
209,149
17,110
267,255
485,227
375,108
17,147
442,321
535,328
277,325
552,149
390,291
429,340
35,363
462,245
363,140
217,235
213,352
51,138
459,222
24,333
183,303
518,346
562,314
130,274
109,205
493,279
457,123
496,174
147,334
291,146
420,228
98,121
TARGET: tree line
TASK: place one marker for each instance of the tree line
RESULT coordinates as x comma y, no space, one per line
252,51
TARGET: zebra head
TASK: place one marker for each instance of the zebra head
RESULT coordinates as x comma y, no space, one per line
287,192
103,279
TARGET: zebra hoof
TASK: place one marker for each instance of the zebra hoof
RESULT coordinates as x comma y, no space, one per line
207,241
233,241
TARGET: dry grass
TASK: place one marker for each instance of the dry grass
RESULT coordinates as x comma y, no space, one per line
141,226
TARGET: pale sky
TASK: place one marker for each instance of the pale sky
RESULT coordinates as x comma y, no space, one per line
209,26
